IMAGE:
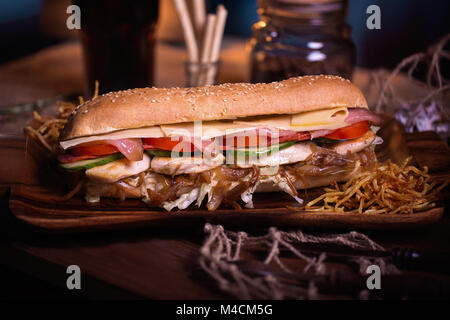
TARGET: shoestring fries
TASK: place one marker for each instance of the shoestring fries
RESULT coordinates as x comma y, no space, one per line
388,188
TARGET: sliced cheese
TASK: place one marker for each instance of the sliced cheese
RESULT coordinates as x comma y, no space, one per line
305,121
148,132
205,129
279,122
321,119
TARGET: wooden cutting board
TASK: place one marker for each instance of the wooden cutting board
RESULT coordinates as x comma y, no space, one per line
34,198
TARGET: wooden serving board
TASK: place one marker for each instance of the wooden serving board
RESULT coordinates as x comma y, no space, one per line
35,199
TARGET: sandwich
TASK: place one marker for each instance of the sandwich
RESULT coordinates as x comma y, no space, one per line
218,145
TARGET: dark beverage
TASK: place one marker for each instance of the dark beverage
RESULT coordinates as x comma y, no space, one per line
118,42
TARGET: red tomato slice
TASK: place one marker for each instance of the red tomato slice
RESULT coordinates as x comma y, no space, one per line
130,148
295,136
351,132
167,143
67,158
93,150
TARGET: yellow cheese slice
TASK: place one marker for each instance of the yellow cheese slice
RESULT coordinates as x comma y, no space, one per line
320,119
204,129
280,122
148,132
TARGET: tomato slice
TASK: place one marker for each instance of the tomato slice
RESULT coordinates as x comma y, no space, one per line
168,144
67,158
131,148
93,150
165,143
351,132
239,140
297,136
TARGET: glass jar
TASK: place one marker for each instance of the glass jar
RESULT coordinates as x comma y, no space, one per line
301,37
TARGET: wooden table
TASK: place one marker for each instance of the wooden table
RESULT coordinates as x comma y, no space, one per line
157,264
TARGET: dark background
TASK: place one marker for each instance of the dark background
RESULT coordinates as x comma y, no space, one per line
407,26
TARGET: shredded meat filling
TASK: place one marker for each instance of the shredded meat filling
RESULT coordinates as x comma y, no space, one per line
324,161
173,188
224,192
227,184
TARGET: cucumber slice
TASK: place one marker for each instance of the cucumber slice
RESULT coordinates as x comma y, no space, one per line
263,151
158,153
90,163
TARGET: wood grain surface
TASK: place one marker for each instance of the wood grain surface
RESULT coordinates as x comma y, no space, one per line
36,199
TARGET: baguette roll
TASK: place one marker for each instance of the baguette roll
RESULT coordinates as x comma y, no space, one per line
146,107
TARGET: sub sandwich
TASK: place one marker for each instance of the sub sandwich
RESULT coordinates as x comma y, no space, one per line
217,145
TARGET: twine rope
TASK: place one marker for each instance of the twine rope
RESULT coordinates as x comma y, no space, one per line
221,258
431,112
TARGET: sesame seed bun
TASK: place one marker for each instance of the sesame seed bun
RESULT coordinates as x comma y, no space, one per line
137,108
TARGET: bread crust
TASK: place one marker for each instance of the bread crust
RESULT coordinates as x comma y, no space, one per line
137,108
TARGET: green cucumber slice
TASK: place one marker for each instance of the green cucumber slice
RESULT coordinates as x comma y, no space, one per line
263,151
158,153
90,163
